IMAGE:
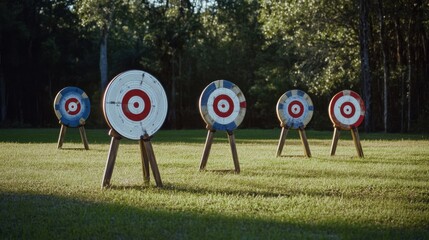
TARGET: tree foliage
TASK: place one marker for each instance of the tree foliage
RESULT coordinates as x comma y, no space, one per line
264,46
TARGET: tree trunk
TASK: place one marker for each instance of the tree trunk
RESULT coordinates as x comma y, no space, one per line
386,73
365,68
103,59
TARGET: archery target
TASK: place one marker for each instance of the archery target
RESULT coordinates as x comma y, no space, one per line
135,104
72,106
222,105
295,109
346,109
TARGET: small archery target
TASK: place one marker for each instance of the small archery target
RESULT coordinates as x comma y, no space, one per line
295,109
72,106
346,109
222,105
135,104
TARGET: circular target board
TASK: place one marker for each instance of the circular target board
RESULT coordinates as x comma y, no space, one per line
222,105
346,109
295,109
72,106
135,104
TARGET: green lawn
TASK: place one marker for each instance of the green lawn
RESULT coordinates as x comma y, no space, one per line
46,193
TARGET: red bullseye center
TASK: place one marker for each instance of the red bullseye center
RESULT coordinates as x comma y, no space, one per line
223,105
295,109
347,109
72,106
131,105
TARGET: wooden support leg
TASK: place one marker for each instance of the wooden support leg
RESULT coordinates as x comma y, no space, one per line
335,140
207,147
83,137
61,136
282,139
231,140
111,158
304,141
152,161
356,140
145,162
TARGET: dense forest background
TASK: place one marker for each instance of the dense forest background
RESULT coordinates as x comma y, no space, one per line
378,48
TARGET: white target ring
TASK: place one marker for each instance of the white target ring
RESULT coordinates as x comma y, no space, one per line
346,109
222,105
295,109
135,104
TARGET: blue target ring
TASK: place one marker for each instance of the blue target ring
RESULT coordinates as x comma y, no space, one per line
294,109
222,105
72,106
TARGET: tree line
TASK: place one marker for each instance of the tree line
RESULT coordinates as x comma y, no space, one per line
377,48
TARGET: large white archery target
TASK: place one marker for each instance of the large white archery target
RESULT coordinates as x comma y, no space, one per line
337,110
114,95
236,105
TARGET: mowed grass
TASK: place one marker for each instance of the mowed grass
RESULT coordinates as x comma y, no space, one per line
46,193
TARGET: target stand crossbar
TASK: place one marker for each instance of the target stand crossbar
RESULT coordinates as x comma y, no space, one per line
302,135
356,140
63,131
147,158
208,144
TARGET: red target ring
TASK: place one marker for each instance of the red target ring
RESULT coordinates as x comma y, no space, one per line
347,109
295,109
136,105
72,106
223,105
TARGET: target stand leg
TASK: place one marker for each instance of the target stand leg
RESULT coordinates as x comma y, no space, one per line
61,136
83,137
304,141
150,158
111,158
356,140
145,162
282,139
206,151
335,140
231,140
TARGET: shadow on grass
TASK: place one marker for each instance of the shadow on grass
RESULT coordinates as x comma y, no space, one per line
35,216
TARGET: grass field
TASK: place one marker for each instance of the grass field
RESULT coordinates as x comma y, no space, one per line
46,193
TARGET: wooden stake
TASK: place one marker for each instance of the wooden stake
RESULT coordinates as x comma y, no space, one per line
111,158
206,151
145,162
282,139
152,161
61,136
335,140
304,141
83,137
356,140
231,140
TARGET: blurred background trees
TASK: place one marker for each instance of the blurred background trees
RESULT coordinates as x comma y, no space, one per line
266,47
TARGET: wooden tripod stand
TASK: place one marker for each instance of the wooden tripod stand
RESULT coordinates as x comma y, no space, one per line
302,135
356,140
147,157
63,131
208,145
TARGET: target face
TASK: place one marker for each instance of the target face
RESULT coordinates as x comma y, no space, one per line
295,109
135,104
72,107
346,110
222,105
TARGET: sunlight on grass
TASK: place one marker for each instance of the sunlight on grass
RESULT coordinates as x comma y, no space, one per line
384,195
